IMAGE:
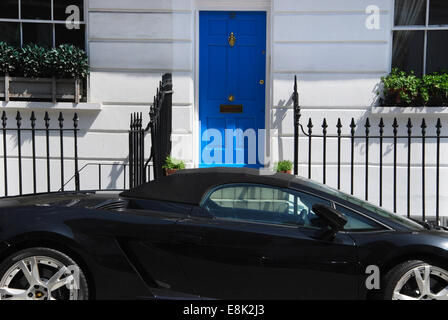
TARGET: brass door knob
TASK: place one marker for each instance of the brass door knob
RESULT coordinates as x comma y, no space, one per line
231,98
261,81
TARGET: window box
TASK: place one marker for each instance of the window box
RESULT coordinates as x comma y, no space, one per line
41,89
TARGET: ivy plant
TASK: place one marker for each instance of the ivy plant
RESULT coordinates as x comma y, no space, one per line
9,57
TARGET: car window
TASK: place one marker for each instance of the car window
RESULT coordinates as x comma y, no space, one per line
356,221
366,205
264,204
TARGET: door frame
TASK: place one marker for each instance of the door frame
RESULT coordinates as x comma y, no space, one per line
237,6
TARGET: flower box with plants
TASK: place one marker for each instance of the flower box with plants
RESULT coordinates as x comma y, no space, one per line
41,74
404,89
284,166
172,165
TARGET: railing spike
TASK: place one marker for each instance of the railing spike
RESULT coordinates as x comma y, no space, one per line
409,125
310,123
4,118
381,126
438,126
352,126
395,125
339,125
47,119
19,119
61,120
423,126
367,126
75,120
324,126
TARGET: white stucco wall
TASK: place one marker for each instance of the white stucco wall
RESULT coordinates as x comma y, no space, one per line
338,60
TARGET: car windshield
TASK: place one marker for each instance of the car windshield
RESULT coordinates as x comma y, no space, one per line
364,204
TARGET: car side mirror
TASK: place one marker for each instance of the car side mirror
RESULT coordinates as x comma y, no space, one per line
334,219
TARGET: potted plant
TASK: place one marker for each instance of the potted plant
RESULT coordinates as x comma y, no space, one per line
172,165
401,89
284,166
434,89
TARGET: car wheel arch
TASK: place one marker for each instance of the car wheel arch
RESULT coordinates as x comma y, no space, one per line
427,255
55,242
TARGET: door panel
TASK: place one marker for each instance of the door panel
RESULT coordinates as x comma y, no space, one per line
236,71
237,260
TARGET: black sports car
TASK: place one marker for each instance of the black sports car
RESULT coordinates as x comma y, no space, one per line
216,233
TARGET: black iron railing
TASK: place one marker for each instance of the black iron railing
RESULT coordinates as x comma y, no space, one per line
46,131
366,138
160,127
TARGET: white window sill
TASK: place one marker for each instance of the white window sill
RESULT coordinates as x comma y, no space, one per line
59,106
408,111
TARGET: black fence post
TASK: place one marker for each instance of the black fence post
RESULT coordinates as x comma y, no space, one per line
324,151
47,139
75,136
339,131
61,144
366,178
395,126
409,126
352,155
131,153
438,132
310,133
33,145
19,150
5,156
381,131
297,116
423,126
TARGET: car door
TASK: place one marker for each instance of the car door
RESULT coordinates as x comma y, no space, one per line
259,242
144,232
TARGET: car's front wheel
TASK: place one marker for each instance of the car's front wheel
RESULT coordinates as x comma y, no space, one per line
42,274
416,280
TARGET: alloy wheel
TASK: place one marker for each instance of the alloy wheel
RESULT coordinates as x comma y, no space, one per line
424,282
40,278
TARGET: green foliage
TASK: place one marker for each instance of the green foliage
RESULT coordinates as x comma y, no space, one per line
172,163
35,61
405,89
401,88
65,61
284,165
434,89
68,61
9,57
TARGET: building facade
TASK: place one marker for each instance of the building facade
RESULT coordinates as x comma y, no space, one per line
339,51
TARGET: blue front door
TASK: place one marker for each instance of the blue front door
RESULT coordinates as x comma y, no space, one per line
232,68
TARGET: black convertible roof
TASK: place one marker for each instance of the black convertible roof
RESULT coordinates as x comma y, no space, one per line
189,186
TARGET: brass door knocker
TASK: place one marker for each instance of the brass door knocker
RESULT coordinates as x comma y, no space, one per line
232,39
